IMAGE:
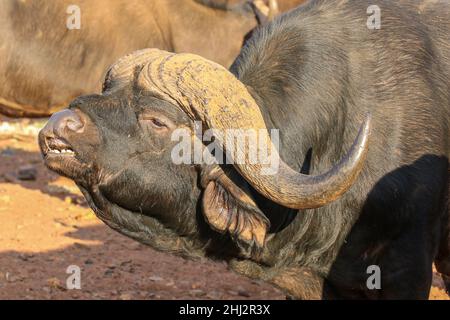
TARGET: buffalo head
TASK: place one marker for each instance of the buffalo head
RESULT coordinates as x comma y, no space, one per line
117,147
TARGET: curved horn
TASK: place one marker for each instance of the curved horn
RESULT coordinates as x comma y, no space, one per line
266,12
123,70
273,9
208,92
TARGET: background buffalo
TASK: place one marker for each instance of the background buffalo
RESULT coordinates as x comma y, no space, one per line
44,65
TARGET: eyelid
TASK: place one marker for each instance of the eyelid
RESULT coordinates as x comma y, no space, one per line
156,121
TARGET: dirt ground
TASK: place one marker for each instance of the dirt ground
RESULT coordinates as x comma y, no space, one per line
46,226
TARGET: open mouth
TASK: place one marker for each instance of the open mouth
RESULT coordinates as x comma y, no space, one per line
61,157
58,147
56,141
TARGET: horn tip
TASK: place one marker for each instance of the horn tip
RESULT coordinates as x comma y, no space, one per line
367,125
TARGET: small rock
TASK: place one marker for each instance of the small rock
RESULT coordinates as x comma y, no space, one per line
243,293
27,172
10,177
125,296
55,190
214,295
108,272
55,283
124,263
12,278
26,256
81,246
197,293
241,289
7,152
170,284
155,278
137,246
195,285
143,294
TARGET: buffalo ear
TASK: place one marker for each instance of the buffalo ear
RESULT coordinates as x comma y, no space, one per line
229,208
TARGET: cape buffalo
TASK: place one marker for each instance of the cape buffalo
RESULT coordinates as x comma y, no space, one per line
44,63
358,207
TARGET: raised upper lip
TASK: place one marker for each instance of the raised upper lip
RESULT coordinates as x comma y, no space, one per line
58,146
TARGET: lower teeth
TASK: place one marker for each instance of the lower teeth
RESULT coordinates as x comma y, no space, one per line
62,151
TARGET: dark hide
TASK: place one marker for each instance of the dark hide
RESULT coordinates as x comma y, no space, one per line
315,73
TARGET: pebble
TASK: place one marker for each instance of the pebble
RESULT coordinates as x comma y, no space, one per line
10,177
25,256
170,284
197,293
214,295
7,152
81,246
244,293
55,283
125,296
124,263
88,261
13,278
108,272
155,278
28,173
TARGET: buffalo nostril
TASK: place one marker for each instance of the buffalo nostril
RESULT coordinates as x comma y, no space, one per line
74,124
66,120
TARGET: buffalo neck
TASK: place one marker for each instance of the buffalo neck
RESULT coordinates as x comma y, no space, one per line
301,88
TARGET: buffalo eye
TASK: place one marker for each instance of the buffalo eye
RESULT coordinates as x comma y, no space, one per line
156,122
